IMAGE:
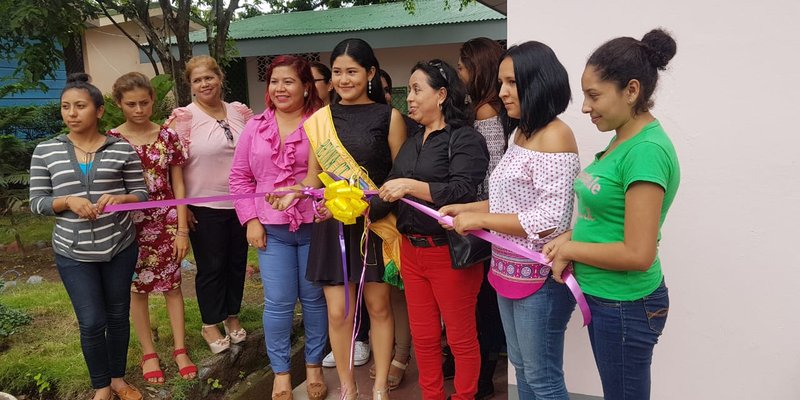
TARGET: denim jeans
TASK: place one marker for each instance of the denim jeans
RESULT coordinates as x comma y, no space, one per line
535,327
623,335
283,274
100,293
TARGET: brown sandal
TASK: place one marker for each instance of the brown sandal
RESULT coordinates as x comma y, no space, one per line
316,390
283,395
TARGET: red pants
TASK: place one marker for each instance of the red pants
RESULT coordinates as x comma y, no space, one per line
435,290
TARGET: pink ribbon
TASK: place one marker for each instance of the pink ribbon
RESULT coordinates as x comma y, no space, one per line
567,276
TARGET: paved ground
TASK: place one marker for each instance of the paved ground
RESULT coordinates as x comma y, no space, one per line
408,390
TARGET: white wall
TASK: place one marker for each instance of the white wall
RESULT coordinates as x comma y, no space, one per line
729,101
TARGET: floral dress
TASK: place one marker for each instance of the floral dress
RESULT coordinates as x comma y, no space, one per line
157,269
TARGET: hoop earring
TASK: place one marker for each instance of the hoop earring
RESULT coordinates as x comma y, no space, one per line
369,87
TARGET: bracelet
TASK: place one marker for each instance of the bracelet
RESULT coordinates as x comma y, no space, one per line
182,234
66,201
184,230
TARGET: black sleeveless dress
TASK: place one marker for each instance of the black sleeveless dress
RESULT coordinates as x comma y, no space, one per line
363,130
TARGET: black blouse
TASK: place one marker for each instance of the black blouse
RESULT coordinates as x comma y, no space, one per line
453,174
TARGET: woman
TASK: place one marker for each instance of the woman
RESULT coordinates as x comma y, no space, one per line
477,67
623,198
73,177
322,81
530,203
443,163
163,233
273,152
358,136
210,129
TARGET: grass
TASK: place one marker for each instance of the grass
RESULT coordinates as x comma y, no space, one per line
33,228
50,346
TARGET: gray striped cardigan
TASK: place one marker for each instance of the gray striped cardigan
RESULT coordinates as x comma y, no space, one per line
55,172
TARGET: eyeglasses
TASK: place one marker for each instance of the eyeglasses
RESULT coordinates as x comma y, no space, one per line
438,65
227,129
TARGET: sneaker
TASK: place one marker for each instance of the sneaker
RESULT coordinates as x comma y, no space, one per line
361,355
329,361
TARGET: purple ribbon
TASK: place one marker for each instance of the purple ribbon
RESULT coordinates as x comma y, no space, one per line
567,276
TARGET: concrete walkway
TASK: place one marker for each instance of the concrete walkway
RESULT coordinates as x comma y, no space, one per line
408,390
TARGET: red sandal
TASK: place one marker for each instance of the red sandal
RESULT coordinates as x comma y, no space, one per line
156,374
189,369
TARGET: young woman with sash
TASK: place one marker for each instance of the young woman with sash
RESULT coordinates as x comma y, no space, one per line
443,163
623,199
357,136
530,203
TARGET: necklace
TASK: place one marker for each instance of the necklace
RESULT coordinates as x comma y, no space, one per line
88,156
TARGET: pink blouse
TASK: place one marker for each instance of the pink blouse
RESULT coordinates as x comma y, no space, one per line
261,164
538,188
210,150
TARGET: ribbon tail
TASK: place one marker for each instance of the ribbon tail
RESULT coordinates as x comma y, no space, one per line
344,271
572,283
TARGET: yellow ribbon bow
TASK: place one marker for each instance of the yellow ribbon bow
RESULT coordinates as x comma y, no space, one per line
343,199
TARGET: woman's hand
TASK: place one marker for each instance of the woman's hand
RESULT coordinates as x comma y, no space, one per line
181,247
108,199
468,221
324,213
395,189
82,207
555,254
281,202
190,219
552,247
451,210
256,235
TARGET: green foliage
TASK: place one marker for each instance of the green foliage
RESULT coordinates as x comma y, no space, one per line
215,385
31,122
179,388
283,6
163,106
42,384
11,320
34,34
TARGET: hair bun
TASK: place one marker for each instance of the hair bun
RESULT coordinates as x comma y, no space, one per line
661,47
78,77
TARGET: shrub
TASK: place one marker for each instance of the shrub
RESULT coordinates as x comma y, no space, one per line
11,320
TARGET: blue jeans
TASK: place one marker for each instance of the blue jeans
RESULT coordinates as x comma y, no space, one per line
534,328
283,274
623,335
100,293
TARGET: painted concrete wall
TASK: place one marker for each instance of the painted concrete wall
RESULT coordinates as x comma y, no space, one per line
397,61
108,54
729,102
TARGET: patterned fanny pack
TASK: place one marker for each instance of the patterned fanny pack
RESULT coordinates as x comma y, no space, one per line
515,277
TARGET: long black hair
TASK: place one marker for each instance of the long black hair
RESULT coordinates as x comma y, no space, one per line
441,75
542,87
362,53
622,59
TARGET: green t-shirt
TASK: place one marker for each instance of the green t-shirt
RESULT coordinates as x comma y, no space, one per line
649,156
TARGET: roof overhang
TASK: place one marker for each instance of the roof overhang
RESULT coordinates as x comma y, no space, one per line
379,38
500,6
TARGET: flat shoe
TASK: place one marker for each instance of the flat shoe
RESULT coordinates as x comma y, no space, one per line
284,395
189,369
128,393
157,374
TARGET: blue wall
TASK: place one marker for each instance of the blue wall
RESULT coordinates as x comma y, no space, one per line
32,97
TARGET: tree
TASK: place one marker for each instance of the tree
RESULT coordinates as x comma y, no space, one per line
284,6
34,33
